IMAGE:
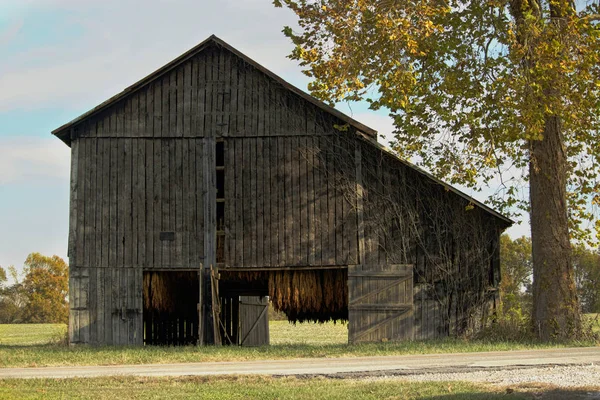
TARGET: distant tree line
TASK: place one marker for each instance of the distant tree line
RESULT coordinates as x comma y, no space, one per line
38,295
517,270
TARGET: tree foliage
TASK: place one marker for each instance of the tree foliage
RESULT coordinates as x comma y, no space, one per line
46,287
41,296
467,83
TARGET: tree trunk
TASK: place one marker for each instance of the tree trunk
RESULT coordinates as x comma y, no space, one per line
555,304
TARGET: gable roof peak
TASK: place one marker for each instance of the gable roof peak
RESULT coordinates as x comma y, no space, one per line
63,132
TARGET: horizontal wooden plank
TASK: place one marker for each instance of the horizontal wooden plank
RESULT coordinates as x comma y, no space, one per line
381,307
379,275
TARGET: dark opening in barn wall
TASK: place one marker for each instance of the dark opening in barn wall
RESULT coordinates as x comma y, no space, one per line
170,307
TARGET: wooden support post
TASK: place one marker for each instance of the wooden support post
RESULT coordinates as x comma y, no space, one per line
210,235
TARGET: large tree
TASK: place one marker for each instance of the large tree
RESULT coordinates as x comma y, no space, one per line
479,89
46,287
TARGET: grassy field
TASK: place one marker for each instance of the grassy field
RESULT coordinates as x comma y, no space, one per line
35,345
31,334
263,388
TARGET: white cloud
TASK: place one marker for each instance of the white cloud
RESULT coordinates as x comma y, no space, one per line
33,160
124,40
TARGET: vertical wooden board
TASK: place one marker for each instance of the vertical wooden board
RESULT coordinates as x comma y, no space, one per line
192,205
257,198
331,202
90,199
202,86
259,101
134,116
166,193
200,189
157,116
210,89
100,300
239,201
179,208
81,183
131,306
84,317
249,103
187,97
229,149
93,305
124,301
173,189
174,120
136,201
234,87
247,215
186,204
316,193
296,206
281,199
112,203
113,281
164,106
322,199
129,245
267,229
273,232
241,98
104,170
310,199
219,92
192,87
142,214
339,206
304,215
288,207
145,128
73,306
209,202
350,232
227,77
97,206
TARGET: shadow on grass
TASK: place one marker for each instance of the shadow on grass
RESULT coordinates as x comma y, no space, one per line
554,394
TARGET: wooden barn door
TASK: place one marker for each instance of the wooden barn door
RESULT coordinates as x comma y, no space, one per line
254,320
380,303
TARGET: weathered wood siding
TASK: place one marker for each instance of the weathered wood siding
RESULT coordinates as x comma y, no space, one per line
298,192
214,93
453,246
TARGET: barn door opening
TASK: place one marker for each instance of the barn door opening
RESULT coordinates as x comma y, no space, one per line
170,307
380,303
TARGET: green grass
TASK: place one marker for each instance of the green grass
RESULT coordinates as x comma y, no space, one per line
246,388
31,334
288,341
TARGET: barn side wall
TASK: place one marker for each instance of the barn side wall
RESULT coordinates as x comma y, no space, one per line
453,245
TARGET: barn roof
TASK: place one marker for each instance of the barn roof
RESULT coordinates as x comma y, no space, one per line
369,134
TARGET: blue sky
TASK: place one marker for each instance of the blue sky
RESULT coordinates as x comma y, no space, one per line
60,58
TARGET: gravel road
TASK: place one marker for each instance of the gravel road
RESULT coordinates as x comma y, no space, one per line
561,376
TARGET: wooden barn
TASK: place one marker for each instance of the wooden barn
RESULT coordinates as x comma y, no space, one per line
212,188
